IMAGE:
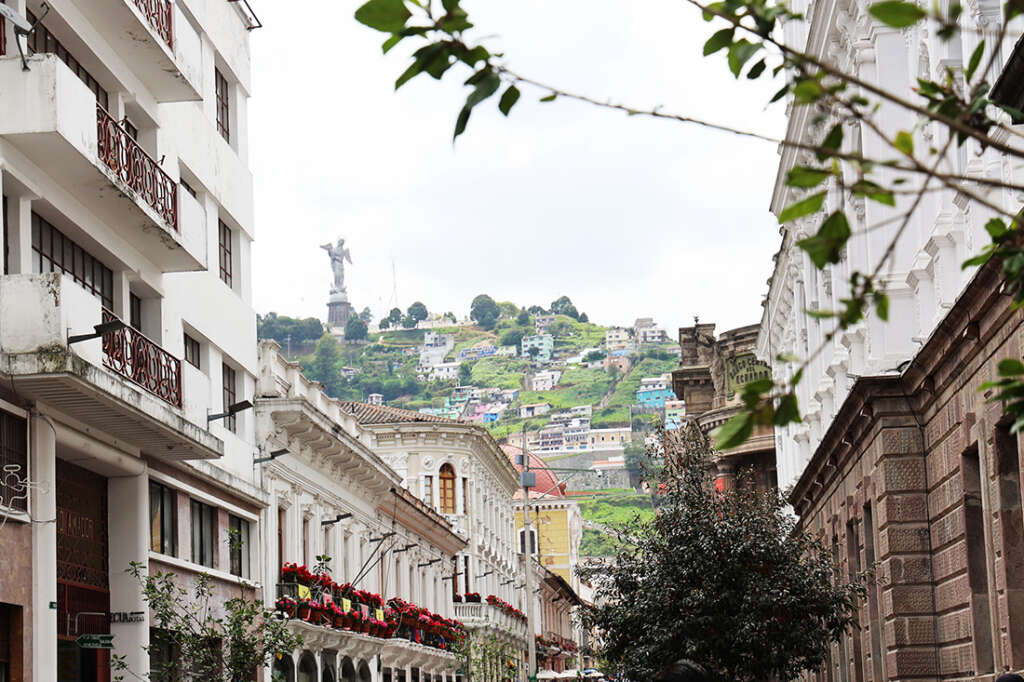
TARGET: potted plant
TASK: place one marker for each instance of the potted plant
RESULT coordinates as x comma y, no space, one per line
302,610
473,597
337,616
290,573
286,605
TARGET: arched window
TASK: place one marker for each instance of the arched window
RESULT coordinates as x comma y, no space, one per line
447,476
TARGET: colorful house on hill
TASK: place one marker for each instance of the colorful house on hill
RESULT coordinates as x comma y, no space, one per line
534,410
675,412
654,392
544,345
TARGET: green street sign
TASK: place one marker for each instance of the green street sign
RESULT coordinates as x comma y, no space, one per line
95,642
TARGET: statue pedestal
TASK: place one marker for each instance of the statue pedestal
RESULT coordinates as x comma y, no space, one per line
339,310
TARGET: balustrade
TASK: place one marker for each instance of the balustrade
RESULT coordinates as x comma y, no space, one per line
159,14
134,356
136,168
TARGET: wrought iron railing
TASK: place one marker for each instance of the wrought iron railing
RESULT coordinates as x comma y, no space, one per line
131,354
159,13
136,168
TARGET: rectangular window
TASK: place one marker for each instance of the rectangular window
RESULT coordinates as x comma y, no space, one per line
465,496
228,396
42,41
874,602
204,533
162,519
239,529
225,252
282,519
192,351
14,454
428,491
977,560
223,105
132,131
135,312
53,252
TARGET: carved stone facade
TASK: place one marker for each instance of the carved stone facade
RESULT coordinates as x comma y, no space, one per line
711,374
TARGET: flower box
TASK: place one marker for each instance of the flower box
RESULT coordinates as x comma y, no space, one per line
303,611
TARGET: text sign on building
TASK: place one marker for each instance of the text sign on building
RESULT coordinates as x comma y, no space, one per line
95,642
742,369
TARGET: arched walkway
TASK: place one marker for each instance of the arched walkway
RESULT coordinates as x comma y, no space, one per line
364,672
307,669
327,675
348,670
285,668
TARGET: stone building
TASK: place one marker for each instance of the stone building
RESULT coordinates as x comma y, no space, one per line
126,323
710,376
900,461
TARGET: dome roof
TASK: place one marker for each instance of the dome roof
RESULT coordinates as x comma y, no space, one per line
548,484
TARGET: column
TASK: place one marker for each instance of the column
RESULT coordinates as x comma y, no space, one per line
128,516
19,231
725,479
44,549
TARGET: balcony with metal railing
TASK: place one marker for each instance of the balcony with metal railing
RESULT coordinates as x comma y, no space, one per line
117,381
54,119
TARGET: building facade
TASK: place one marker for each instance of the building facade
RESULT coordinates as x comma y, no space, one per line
900,459
114,432
538,347
654,392
711,372
331,495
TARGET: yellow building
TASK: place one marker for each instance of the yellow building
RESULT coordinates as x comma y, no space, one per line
556,521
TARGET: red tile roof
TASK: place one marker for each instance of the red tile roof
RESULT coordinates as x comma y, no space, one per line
379,414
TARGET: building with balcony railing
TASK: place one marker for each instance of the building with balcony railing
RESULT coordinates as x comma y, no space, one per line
126,320
330,494
458,470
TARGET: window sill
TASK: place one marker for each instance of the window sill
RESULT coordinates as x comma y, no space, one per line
199,568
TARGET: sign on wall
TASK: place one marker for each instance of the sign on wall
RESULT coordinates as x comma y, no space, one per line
742,369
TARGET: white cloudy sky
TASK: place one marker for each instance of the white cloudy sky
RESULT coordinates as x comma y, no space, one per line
627,216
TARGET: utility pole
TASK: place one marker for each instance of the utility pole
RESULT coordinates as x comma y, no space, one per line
531,642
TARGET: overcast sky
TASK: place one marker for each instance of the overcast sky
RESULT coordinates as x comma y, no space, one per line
628,216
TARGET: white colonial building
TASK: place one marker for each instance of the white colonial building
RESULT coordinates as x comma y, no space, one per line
126,321
458,470
331,494
924,277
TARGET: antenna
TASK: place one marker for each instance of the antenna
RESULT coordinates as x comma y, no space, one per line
393,302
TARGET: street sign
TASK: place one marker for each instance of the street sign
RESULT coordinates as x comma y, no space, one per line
15,18
95,642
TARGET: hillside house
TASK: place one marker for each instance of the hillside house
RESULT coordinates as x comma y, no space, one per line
675,412
445,371
607,439
544,343
435,348
652,336
618,338
542,322
654,392
619,360
375,399
546,380
534,410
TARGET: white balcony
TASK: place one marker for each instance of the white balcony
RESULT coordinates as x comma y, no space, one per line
122,384
53,119
151,36
482,615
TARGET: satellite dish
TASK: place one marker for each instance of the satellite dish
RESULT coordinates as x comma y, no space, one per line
19,21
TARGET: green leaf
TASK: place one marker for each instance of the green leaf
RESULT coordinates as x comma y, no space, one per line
996,228
787,410
819,314
484,89
718,41
905,142
874,191
756,70
549,98
808,91
384,15
882,306
739,53
461,121
508,99
802,208
980,259
976,56
806,177
896,13
734,432
832,141
1015,114
390,43
825,246
780,94
1010,367
414,69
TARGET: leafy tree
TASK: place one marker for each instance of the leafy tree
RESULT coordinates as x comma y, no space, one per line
451,316
523,318
563,306
249,636
409,322
508,310
355,329
721,578
465,374
325,366
835,171
366,316
395,317
594,356
385,323
513,337
536,310
281,327
583,318
533,352
417,311
484,311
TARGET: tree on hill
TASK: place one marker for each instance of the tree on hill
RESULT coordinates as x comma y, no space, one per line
409,322
417,311
465,374
385,323
512,337
282,327
484,311
355,329
536,310
583,318
533,352
508,310
754,599
451,317
395,317
594,356
564,306
325,366
366,316
523,318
